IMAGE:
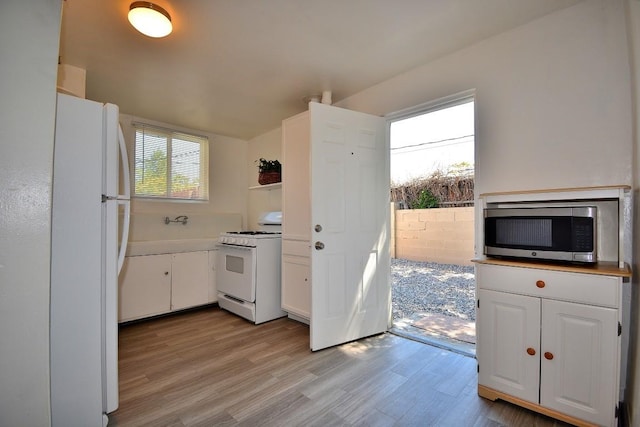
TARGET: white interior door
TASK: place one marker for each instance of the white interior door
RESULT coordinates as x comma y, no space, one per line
351,293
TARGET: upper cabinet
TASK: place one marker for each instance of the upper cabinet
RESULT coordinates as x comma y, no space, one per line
296,201
296,210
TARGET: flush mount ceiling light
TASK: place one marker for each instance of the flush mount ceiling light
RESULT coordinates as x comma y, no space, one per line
150,19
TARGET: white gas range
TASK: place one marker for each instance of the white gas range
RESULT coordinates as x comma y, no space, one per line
248,273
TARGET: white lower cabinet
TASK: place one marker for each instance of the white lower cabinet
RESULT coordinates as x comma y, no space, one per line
296,278
558,357
296,286
145,287
156,284
213,286
578,374
189,279
509,326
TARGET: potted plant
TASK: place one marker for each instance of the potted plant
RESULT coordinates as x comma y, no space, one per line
269,171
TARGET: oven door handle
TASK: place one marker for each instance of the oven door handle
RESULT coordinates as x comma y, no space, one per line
242,248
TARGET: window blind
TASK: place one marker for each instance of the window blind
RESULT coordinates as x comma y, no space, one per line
170,164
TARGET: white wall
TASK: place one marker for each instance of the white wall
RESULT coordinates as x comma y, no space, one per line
633,391
552,99
267,146
29,33
227,190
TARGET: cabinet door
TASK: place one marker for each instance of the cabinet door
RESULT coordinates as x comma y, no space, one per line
213,287
296,204
189,279
580,346
145,287
509,343
296,285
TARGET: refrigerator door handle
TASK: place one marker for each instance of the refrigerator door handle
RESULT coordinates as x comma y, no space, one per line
124,199
124,240
125,164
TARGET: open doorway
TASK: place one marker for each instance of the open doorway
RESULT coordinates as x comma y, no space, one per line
432,164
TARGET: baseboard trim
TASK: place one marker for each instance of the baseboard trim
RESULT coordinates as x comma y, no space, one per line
491,394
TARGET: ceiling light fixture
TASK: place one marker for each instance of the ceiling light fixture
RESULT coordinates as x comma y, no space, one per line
150,19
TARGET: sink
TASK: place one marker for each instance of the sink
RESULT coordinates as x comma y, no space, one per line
154,247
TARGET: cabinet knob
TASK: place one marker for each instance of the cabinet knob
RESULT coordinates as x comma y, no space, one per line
548,355
318,228
531,351
319,246
166,273
540,284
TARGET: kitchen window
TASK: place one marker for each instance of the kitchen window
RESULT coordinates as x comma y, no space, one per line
170,164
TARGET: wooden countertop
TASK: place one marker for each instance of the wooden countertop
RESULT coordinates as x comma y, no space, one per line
601,268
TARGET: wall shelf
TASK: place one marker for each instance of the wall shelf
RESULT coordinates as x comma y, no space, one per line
267,186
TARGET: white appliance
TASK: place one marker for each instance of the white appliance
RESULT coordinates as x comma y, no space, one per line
86,257
248,270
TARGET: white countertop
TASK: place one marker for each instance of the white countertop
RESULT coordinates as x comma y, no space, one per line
155,247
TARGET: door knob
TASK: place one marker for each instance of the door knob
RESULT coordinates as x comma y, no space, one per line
318,228
319,246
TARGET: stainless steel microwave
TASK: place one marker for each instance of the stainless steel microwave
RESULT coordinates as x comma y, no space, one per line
546,233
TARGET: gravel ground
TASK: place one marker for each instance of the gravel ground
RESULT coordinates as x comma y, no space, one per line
429,287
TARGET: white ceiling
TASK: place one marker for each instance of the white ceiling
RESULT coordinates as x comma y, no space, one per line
238,67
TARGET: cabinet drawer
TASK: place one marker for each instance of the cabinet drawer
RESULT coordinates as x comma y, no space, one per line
296,247
578,287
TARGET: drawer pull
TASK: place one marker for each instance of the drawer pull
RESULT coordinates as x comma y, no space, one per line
540,284
531,352
548,355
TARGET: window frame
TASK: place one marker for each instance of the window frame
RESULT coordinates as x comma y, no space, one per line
170,135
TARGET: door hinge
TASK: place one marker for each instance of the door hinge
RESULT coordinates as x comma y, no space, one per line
478,303
619,329
478,368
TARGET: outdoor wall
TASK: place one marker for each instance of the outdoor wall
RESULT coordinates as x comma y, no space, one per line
444,236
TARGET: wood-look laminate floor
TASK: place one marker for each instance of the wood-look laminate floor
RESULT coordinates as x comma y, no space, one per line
212,368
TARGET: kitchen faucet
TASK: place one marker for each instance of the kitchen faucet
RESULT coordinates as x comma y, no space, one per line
182,218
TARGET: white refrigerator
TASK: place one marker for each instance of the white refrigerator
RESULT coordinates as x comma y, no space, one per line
90,223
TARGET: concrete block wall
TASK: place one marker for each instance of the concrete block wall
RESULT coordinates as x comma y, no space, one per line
443,235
